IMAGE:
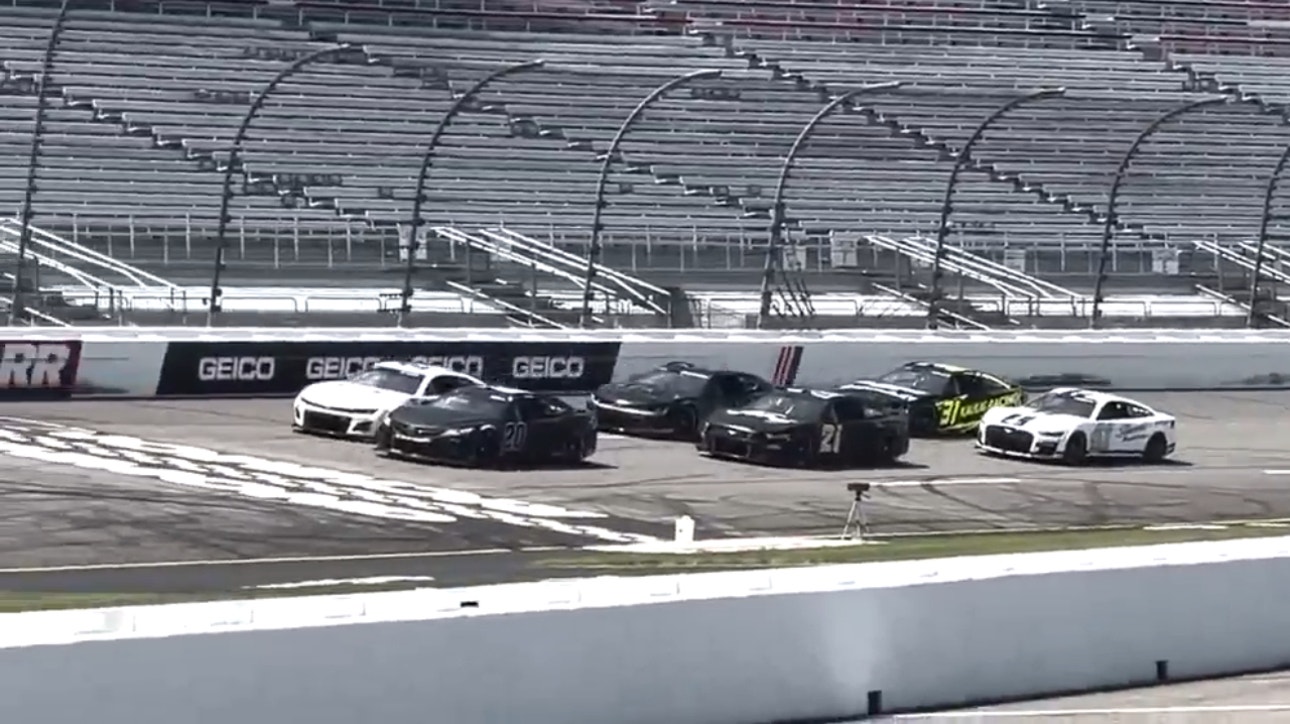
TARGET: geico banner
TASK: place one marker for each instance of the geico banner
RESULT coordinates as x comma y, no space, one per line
283,368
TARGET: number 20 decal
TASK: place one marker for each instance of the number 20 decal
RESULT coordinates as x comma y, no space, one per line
513,436
830,440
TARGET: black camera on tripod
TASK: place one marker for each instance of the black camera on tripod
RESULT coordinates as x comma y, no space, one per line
859,488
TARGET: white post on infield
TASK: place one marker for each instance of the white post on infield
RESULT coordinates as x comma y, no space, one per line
683,530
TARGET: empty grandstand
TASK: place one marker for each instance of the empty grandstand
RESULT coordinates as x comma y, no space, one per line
144,98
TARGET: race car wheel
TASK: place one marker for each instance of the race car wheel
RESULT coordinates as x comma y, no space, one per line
574,451
1076,450
382,440
685,420
1156,449
886,451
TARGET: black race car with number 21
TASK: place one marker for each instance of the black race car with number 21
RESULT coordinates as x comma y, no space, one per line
486,426
942,399
807,428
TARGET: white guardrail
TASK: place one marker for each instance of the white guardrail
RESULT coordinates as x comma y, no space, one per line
720,648
129,361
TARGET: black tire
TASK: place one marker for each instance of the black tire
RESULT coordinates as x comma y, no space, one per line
686,422
382,441
1156,449
1076,452
574,451
886,452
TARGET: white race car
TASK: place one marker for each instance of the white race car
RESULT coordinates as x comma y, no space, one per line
1072,425
353,407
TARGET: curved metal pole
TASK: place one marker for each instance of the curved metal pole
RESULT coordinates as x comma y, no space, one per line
1268,193
593,250
37,131
947,203
227,195
405,296
777,205
1108,227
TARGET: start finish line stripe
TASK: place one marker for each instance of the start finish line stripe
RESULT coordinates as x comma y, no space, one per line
289,483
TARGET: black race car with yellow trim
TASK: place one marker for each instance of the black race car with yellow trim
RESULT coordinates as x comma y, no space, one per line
941,398
809,428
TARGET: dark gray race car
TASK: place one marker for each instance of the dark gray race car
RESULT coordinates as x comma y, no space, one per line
809,428
488,426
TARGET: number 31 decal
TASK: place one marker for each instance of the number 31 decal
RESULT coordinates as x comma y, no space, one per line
513,436
830,440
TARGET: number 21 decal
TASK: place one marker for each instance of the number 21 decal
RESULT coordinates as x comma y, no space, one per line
513,436
830,440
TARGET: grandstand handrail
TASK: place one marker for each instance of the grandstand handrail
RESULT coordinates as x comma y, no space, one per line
89,280
1229,299
502,304
1275,252
959,318
467,239
48,239
629,284
8,302
1045,289
920,254
1238,259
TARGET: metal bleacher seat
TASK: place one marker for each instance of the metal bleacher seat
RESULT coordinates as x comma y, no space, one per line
147,105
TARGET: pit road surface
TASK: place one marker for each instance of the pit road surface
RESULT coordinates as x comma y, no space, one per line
84,483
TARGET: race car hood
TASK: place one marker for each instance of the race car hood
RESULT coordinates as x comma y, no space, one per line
1031,420
627,394
346,395
756,420
905,394
434,419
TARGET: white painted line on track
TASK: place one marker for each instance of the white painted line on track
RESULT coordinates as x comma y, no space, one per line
938,482
332,582
1276,472
411,555
287,483
1044,713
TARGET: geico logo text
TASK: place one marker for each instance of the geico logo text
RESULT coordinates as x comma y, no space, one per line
338,368
548,368
27,364
240,369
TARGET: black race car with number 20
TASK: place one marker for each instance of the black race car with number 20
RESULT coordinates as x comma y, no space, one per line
485,426
673,399
942,399
807,428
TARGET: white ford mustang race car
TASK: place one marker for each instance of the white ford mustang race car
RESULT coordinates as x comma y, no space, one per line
352,407
1072,425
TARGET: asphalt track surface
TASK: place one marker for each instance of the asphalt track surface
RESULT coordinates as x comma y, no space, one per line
221,485
194,496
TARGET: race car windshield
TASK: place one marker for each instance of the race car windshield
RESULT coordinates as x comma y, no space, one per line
389,380
930,381
1063,405
795,407
480,403
686,384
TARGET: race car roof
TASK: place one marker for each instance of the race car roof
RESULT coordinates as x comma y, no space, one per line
822,394
936,366
416,368
1095,396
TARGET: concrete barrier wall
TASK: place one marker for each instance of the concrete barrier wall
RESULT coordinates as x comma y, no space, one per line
224,362
725,648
